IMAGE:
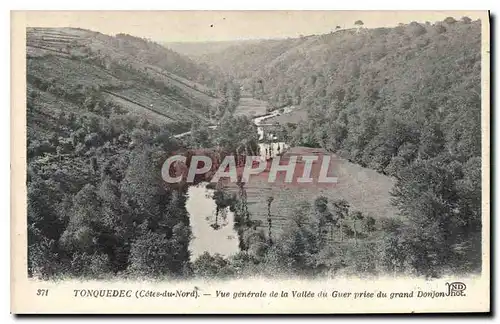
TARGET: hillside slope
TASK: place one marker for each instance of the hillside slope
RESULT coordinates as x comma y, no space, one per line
403,101
131,73
399,109
101,112
360,83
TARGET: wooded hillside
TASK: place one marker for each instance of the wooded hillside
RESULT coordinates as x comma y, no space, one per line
405,101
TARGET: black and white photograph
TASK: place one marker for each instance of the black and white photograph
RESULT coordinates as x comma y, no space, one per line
178,146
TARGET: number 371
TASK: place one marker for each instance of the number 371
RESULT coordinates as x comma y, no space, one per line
42,292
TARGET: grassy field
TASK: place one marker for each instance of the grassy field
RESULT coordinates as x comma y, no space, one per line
294,117
364,189
140,109
197,90
69,56
251,107
143,101
68,71
159,103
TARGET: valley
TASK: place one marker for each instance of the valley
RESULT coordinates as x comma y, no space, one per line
397,110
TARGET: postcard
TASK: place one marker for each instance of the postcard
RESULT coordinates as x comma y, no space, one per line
250,162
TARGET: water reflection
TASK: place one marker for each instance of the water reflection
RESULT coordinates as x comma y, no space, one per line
201,208
216,234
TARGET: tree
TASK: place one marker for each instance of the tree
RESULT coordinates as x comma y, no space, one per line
396,252
270,200
45,226
415,29
200,136
142,187
153,254
84,227
450,20
323,215
369,224
358,23
431,141
243,202
341,212
222,201
466,20
237,134
426,196
42,196
208,266
356,216
298,246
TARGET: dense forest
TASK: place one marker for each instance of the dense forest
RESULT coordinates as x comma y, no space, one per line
96,202
404,101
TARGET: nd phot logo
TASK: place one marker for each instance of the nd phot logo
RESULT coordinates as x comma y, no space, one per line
456,288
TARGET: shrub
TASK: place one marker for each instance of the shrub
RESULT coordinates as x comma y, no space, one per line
153,254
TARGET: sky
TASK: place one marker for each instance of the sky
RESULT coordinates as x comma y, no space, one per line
193,26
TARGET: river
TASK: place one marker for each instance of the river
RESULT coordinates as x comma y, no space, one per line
201,206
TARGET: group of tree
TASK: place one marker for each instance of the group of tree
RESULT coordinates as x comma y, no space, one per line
97,205
229,98
325,238
405,101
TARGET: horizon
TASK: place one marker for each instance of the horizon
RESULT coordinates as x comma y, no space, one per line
230,26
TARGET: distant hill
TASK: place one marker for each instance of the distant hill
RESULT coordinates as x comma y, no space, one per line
198,49
358,85
245,58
